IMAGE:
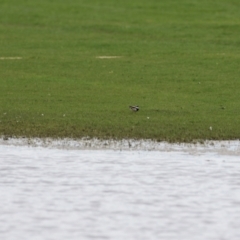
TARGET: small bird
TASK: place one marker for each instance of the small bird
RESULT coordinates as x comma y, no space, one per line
134,108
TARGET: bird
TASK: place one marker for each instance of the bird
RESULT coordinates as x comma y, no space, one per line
134,108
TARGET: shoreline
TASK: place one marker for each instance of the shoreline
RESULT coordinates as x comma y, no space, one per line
231,147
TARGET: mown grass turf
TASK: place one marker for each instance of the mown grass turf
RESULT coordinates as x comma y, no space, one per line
180,63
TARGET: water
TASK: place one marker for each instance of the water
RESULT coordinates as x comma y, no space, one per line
54,194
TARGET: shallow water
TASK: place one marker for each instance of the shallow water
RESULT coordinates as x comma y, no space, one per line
105,194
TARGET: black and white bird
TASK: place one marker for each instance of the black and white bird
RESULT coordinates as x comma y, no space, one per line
134,108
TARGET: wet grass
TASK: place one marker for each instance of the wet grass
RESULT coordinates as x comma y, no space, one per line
179,62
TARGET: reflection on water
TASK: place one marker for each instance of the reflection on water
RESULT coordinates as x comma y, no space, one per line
73,194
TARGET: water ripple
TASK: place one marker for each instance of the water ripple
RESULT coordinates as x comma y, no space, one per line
84,194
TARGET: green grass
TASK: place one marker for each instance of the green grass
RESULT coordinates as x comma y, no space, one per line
180,63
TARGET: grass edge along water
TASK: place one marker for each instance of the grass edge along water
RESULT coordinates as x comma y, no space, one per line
179,62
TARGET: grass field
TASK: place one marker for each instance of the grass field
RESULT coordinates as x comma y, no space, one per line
179,61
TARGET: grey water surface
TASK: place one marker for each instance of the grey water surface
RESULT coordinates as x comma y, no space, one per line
53,194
